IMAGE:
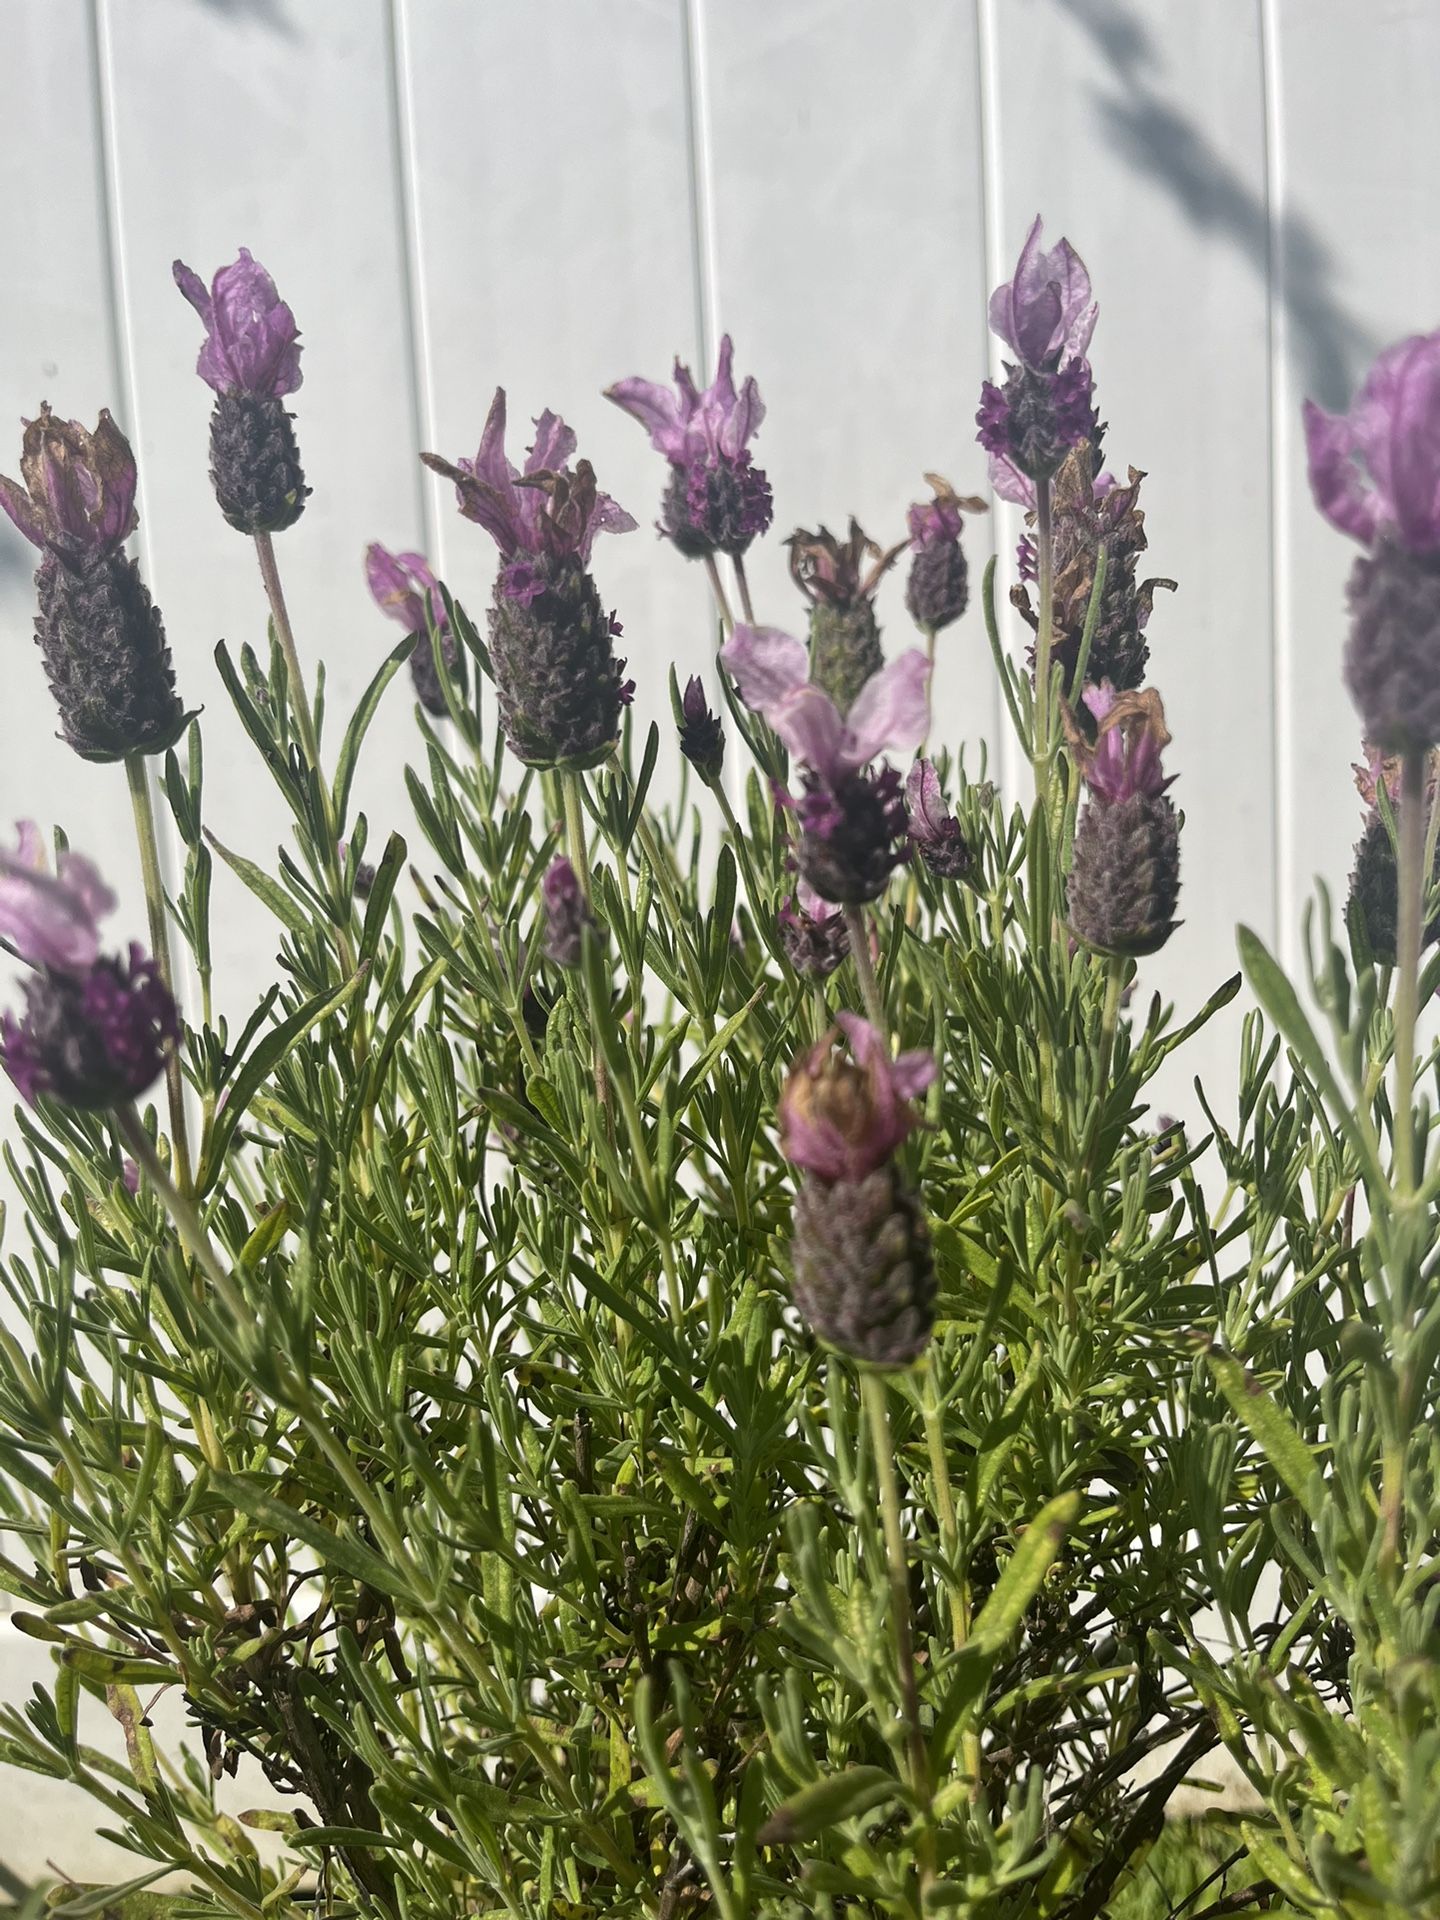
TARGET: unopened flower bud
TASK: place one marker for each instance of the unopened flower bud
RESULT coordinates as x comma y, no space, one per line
933,828
813,934
702,733
1125,872
938,590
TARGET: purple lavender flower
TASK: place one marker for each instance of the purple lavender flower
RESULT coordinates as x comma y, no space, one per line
933,828
560,687
852,815
96,1030
938,590
404,588
839,1119
864,1280
702,733
1375,474
78,497
51,920
1046,315
717,501
252,344
567,913
1124,878
251,358
813,934
99,634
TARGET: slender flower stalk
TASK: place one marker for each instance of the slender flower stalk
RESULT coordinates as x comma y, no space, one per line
182,1211
1413,879
717,587
875,1394
865,971
743,583
146,839
1042,754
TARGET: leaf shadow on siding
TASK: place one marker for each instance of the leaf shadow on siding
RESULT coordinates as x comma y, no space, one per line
1328,342
264,13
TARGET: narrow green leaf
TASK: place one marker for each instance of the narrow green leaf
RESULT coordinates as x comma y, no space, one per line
1271,1429
263,886
1024,1572
825,1803
360,725
290,1523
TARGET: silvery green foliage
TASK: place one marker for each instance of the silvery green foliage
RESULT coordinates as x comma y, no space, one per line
502,1510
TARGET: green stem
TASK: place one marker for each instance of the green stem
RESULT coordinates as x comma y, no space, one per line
1044,639
1109,1020
957,1577
148,841
746,606
875,1394
284,633
865,970
1412,885
575,830
717,587
182,1211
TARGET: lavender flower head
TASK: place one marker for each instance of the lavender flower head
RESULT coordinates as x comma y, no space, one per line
863,1277
99,634
813,935
842,1118
404,588
1125,867
1375,474
933,828
559,685
717,501
252,344
851,815
78,497
938,589
566,913
1046,315
250,357
96,1030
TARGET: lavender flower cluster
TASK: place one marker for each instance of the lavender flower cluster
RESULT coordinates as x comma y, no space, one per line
97,1029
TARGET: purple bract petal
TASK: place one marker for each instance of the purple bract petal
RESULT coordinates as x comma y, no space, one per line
51,920
1045,312
1376,469
252,344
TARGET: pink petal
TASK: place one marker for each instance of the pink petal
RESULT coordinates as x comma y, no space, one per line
657,410
912,1073
892,710
554,444
768,665
193,288
810,726
1335,479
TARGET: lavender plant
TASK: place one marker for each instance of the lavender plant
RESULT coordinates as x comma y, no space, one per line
640,1383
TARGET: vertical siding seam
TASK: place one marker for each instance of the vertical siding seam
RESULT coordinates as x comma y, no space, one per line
418,354
1281,661
122,348
1006,756
695,80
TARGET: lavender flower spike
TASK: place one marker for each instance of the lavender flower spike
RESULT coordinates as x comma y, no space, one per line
404,588
717,501
851,815
96,1030
252,344
78,497
864,1280
251,358
1046,316
1125,868
1375,474
51,920
552,656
